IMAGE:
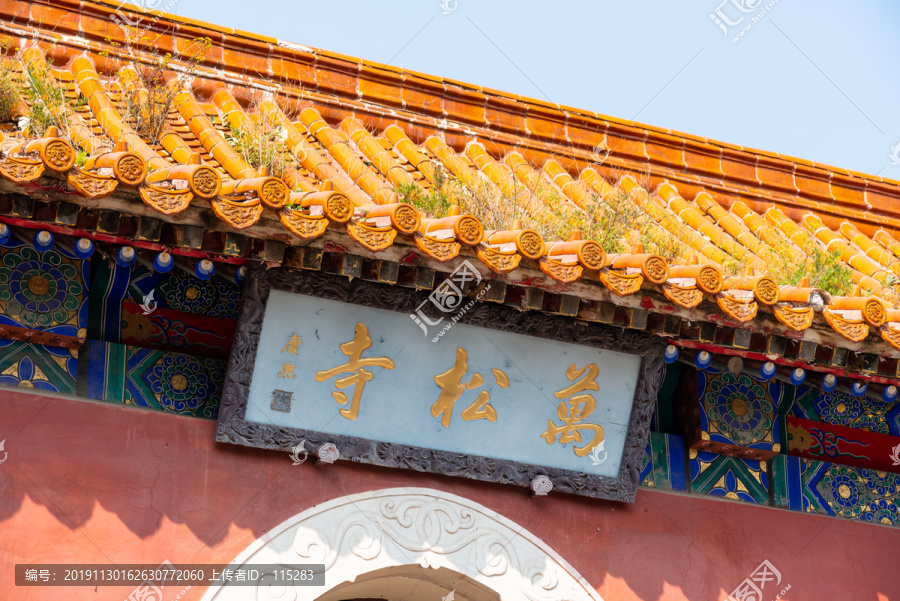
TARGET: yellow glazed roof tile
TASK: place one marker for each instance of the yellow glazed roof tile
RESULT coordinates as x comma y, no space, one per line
526,196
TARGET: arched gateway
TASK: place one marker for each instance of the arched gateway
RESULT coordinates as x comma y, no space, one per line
410,544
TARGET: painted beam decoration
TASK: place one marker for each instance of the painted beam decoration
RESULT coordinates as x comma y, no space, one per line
321,360
842,444
733,414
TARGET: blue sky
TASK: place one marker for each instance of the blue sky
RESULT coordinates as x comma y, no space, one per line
816,80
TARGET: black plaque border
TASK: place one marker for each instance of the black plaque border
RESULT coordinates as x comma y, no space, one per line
233,428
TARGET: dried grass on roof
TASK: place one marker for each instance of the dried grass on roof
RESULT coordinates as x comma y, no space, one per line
261,144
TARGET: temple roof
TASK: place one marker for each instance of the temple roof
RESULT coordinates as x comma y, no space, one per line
280,142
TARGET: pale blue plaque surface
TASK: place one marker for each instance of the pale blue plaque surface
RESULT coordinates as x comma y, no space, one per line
396,404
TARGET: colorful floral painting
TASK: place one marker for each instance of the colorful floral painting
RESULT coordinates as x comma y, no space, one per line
27,365
154,379
850,492
173,382
43,290
738,405
184,292
729,477
739,414
869,413
180,383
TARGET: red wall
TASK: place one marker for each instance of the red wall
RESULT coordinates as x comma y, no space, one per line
92,483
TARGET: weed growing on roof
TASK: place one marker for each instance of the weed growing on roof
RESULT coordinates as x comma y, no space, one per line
148,86
788,264
433,202
33,93
441,177
825,270
10,85
617,221
660,242
609,221
260,143
541,207
79,102
829,272
258,148
47,102
484,200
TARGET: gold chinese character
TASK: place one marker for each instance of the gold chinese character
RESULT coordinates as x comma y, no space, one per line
450,383
354,349
587,382
293,343
579,408
287,371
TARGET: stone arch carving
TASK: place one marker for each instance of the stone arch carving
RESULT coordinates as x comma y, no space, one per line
408,529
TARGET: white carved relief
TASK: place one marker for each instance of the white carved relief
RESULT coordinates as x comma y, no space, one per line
355,535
